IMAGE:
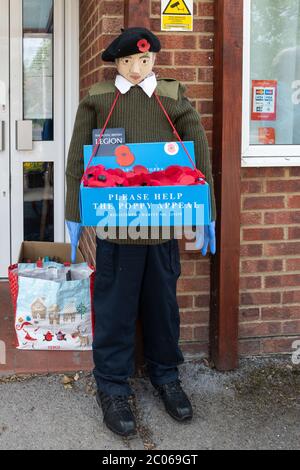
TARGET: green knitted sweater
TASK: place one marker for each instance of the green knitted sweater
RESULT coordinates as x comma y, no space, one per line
143,121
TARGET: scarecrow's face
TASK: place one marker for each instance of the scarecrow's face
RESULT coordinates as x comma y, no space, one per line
136,67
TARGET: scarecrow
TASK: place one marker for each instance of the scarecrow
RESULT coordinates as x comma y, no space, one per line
136,276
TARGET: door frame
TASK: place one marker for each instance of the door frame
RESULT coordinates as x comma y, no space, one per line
5,237
72,76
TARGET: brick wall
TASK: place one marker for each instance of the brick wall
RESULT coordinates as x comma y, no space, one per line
270,252
270,260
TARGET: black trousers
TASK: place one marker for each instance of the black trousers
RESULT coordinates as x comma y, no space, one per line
132,280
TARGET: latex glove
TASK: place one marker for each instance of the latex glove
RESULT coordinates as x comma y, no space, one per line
209,239
75,229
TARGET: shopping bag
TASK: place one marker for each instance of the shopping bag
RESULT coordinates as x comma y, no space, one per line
53,305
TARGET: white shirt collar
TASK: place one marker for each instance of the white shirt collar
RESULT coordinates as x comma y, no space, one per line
149,84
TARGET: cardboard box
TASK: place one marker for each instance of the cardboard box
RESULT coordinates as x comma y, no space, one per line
146,205
36,250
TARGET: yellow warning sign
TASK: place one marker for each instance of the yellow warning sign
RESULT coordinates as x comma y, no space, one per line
176,7
177,15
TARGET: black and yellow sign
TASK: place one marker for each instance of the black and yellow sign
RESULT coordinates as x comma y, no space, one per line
177,15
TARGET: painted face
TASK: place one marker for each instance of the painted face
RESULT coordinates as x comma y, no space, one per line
136,67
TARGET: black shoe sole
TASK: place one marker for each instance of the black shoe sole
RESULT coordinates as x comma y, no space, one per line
130,435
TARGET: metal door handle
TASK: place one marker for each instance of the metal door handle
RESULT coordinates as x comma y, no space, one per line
24,135
2,146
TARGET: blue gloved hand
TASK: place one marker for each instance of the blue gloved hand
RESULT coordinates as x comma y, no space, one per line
209,239
75,229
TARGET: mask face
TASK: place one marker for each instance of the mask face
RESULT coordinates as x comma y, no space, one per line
136,67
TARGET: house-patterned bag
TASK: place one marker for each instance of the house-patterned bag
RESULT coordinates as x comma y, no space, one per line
53,306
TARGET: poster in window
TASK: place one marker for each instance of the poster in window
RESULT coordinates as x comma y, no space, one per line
264,100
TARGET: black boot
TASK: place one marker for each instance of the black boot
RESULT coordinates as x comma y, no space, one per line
117,414
175,400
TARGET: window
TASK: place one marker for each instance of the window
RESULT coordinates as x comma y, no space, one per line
271,89
38,67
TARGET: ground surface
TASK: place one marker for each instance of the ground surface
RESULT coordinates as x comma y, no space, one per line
255,407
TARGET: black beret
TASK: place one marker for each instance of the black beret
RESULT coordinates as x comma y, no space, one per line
131,41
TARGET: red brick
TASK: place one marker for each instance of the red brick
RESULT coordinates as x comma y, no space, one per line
205,8
291,297
155,8
202,268
205,107
178,41
198,58
109,73
165,58
193,284
251,186
194,348
268,172
280,313
186,333
194,317
113,8
263,202
207,123
206,42
262,265
257,329
260,298
282,218
249,348
255,234
185,301
293,264
205,74
291,328
184,74
294,233
294,172
277,345
293,202
247,314
112,25
201,333
202,301
203,25
283,186
250,282
282,249
187,268
199,91
251,250
289,280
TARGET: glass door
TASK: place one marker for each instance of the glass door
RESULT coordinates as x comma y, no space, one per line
36,121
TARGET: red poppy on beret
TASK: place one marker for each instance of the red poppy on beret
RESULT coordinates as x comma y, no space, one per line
143,45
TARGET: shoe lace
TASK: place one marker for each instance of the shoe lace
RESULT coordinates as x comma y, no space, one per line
117,402
171,388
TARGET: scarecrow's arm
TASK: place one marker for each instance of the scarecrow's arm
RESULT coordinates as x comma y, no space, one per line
85,122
